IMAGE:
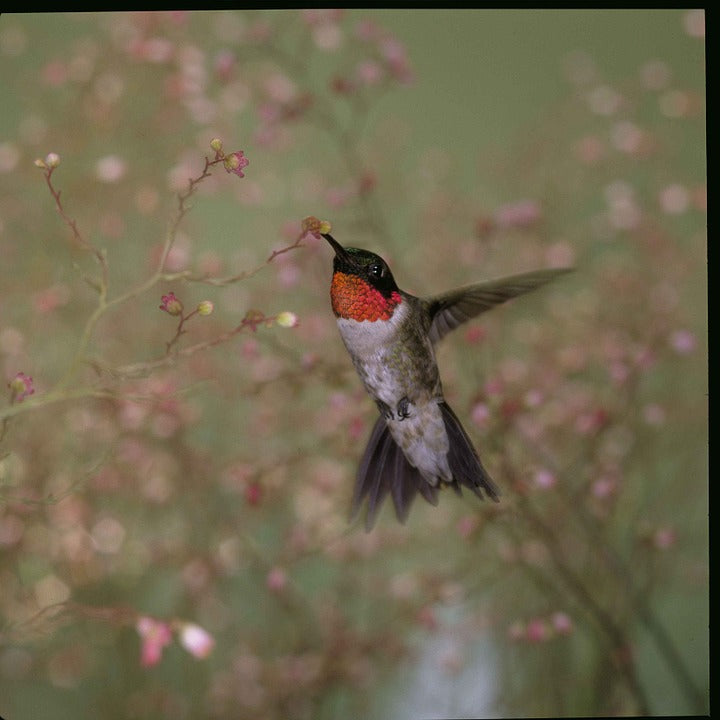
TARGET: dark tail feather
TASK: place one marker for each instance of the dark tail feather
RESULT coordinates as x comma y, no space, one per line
384,468
464,461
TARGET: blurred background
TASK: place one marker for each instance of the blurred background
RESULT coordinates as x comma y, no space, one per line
174,539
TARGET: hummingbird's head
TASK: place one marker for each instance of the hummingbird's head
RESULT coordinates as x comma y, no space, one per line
362,287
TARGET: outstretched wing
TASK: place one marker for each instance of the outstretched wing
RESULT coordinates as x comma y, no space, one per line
453,308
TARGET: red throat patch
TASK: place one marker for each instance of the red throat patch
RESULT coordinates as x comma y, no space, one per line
355,299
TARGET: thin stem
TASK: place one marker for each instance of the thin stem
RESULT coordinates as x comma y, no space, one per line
85,244
618,639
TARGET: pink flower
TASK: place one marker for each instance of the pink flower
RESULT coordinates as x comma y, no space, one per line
155,635
521,214
467,525
368,72
21,386
562,623
171,304
682,341
197,641
235,162
276,580
480,414
544,479
536,631
664,538
475,334
253,493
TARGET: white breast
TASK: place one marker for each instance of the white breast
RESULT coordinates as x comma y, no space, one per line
365,337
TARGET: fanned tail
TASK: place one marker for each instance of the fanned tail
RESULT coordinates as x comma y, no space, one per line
385,469
464,461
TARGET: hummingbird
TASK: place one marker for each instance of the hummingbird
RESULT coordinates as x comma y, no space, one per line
417,443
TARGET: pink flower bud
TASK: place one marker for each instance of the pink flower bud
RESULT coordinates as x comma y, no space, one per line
21,386
171,304
52,160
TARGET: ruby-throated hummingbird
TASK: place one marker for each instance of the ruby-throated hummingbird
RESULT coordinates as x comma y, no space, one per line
417,443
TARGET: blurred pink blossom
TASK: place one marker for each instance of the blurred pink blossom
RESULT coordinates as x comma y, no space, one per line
475,334
467,525
480,414
110,169
627,137
675,103
155,635
544,479
654,414
604,487
427,618
276,579
9,156
520,214
664,538
683,341
562,623
55,73
327,36
674,199
225,62
357,428
560,254
694,23
368,72
51,298
604,100
537,631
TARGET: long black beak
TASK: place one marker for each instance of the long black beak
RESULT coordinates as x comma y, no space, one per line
340,251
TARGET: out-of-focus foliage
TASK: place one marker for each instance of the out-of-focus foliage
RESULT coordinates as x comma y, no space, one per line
174,484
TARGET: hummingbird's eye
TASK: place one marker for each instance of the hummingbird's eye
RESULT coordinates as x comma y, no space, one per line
376,270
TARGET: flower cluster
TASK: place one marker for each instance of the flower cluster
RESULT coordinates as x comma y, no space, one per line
542,629
156,635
